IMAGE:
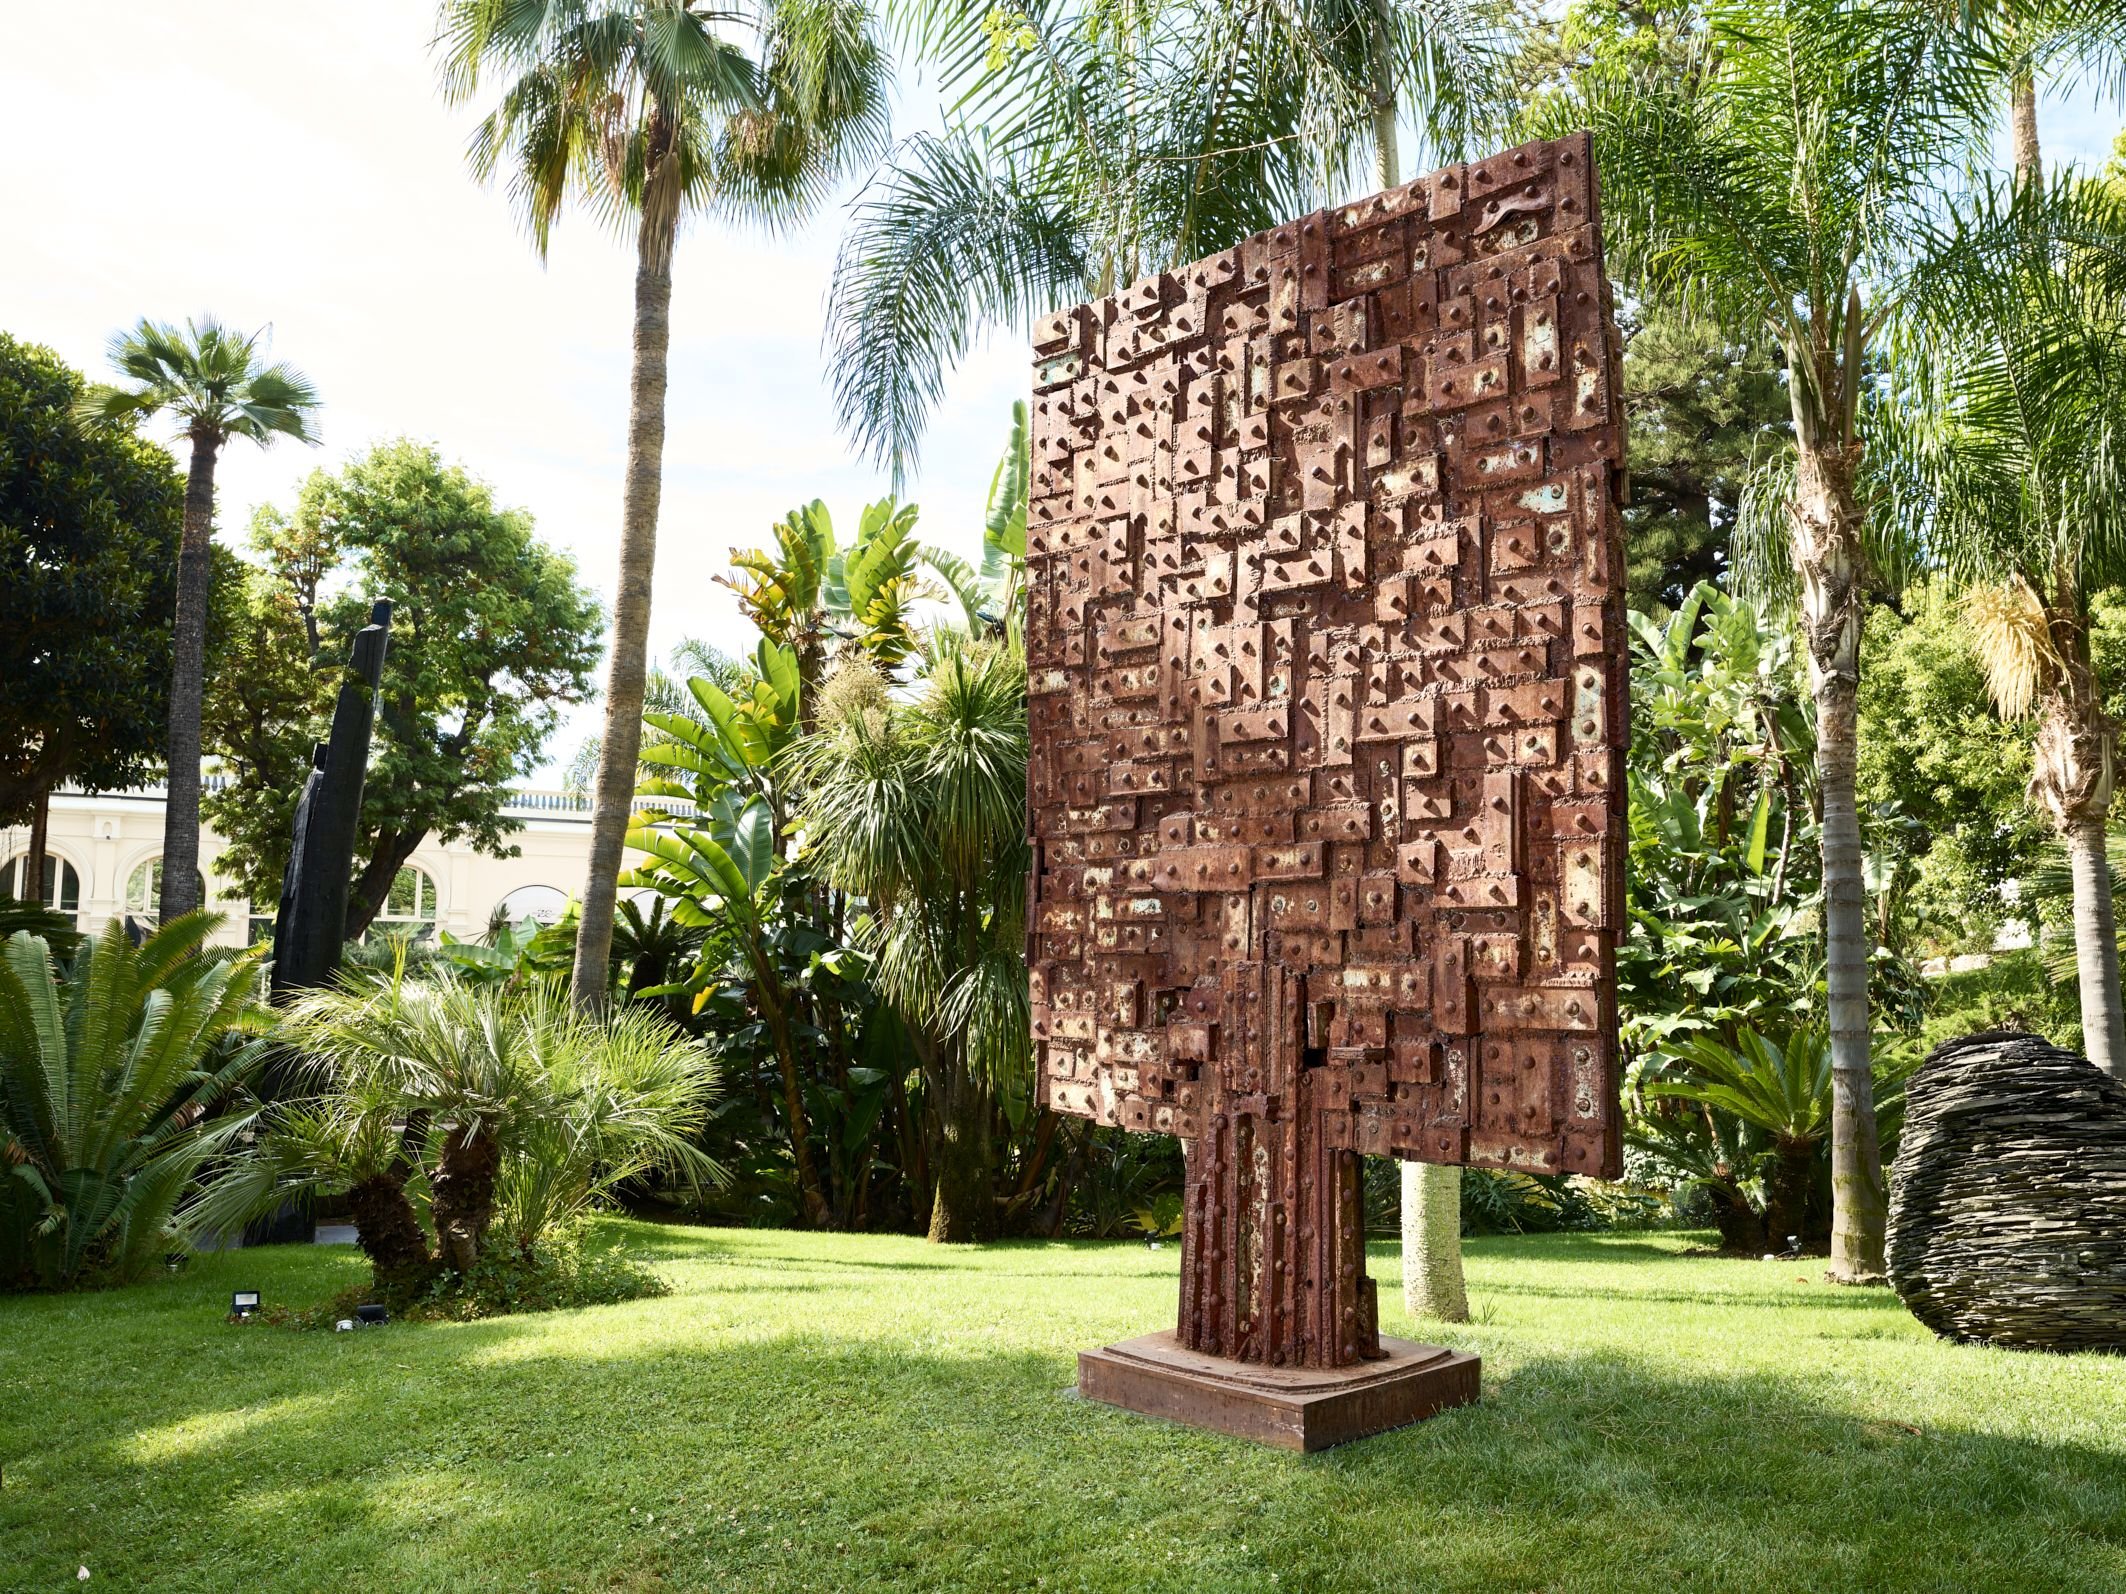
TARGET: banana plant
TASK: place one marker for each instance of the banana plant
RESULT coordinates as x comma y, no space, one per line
114,1083
732,746
726,876
989,598
873,587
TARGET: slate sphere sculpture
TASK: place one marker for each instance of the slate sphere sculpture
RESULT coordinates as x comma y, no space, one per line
2008,1206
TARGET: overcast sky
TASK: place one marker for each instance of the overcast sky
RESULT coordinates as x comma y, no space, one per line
289,163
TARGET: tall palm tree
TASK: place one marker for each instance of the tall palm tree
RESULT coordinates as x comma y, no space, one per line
1775,181
216,385
646,112
1092,145
2019,377
919,806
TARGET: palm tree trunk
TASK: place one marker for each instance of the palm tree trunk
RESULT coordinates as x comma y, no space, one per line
1432,1242
188,668
1387,151
390,1232
1825,525
2022,121
462,1194
2096,946
627,668
960,1203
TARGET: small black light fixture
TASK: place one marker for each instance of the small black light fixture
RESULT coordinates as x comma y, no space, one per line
372,1314
243,1304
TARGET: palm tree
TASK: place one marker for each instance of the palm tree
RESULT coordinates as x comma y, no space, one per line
920,808
1775,180
216,385
2019,371
1094,145
644,111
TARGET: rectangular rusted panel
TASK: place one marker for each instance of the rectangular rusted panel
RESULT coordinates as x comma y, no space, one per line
1324,628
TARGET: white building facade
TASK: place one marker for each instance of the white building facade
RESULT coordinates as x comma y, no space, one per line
104,857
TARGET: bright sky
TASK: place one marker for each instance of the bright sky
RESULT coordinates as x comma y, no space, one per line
291,164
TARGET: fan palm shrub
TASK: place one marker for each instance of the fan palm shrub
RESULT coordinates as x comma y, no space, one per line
216,384
649,111
454,1115
118,1073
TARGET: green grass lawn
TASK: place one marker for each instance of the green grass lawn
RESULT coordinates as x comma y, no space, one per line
821,1412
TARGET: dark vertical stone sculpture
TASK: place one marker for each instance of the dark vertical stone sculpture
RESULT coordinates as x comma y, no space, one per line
312,924
1328,712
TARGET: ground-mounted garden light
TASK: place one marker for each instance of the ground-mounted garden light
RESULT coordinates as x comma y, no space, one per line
243,1304
372,1314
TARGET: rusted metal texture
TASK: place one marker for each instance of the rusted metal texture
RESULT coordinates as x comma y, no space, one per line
1328,713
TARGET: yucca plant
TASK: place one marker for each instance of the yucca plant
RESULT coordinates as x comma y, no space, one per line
117,1075
917,806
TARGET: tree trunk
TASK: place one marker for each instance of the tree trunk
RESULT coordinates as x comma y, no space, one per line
960,1203
2071,777
810,1194
188,667
33,861
2022,121
627,666
1387,150
390,1232
1825,524
1786,1203
462,1194
1432,1242
372,887
2096,947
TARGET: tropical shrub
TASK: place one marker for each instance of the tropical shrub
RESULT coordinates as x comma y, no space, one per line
461,1120
118,1073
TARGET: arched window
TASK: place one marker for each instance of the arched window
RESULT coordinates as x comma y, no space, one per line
544,903
409,907
61,888
143,891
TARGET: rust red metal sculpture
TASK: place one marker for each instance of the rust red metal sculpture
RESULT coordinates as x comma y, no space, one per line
1328,712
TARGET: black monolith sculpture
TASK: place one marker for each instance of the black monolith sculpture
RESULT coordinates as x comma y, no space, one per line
328,821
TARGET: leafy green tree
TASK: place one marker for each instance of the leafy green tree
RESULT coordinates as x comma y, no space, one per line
1933,751
646,112
216,385
2020,329
1703,409
115,1080
90,519
1777,182
491,635
1091,146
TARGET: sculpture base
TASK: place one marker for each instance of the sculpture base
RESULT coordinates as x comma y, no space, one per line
1295,1408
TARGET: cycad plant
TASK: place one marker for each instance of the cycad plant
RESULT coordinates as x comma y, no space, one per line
458,1116
120,1075
1092,145
1776,179
2017,373
216,384
916,804
648,111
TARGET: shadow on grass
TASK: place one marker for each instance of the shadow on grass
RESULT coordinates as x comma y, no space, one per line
642,1451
